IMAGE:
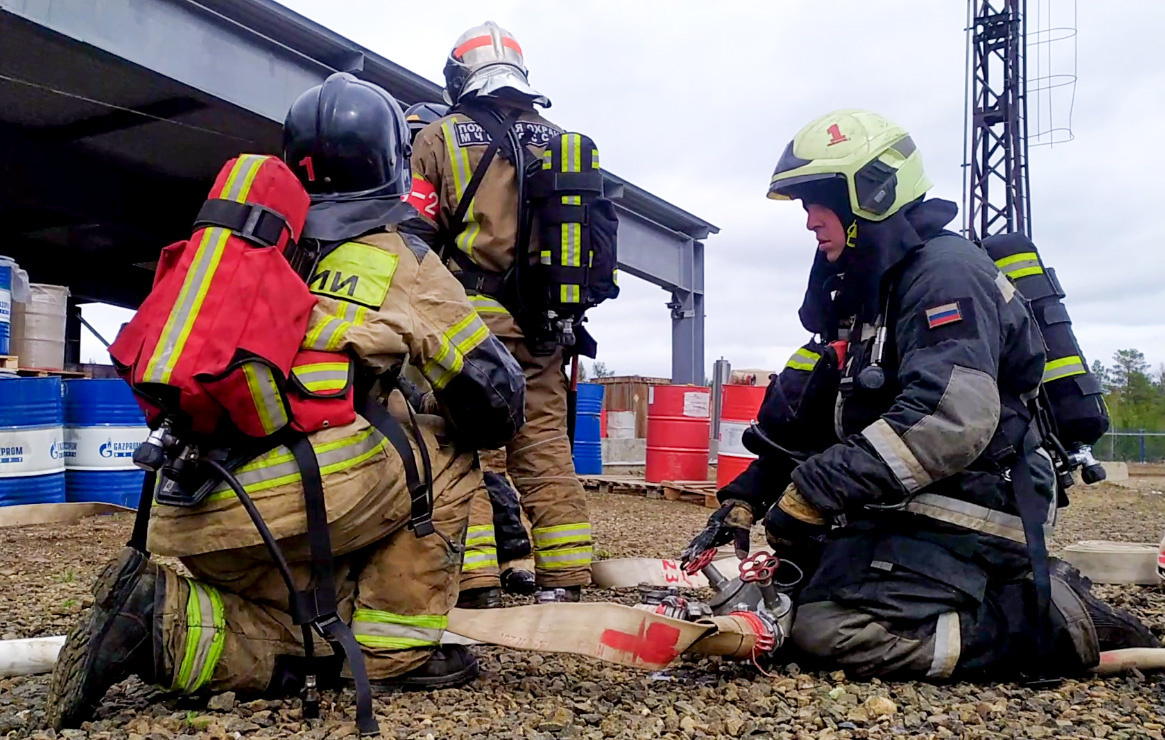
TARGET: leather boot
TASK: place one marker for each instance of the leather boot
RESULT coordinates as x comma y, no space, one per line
489,597
447,667
113,641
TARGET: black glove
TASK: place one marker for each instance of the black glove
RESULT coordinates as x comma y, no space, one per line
418,399
732,522
795,530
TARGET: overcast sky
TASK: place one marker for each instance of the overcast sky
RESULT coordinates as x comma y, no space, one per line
694,101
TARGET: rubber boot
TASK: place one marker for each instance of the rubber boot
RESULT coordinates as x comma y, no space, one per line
489,597
1116,629
449,666
113,641
518,581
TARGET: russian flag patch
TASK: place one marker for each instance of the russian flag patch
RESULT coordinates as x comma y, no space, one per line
947,313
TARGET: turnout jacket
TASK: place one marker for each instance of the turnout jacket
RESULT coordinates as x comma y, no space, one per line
937,440
385,298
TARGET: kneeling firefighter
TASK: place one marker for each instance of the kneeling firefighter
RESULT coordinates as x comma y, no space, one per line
497,538
519,215
277,471
906,439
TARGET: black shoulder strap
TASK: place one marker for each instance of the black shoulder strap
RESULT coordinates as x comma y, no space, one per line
497,128
420,490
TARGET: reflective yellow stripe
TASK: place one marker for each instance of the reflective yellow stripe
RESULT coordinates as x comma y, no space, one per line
481,534
1065,367
573,557
1020,265
330,333
594,159
570,294
462,173
485,304
197,282
205,633
266,397
388,631
803,359
547,537
277,467
457,341
479,558
322,376
544,257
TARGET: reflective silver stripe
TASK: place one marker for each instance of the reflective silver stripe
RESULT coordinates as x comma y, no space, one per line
469,336
563,558
482,534
897,456
280,463
478,558
334,378
328,334
485,304
381,629
1063,368
973,516
1005,287
546,537
1015,267
948,645
352,313
268,401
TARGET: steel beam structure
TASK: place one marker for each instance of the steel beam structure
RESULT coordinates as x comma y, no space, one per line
996,194
257,56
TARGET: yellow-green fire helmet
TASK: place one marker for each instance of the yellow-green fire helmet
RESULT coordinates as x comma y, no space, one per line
876,158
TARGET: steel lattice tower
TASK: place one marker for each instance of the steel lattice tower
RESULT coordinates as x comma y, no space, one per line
996,194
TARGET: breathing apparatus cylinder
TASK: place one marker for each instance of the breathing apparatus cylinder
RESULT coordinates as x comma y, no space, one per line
1074,396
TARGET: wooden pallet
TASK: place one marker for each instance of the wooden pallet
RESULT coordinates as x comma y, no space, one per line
45,372
692,491
626,484
9,362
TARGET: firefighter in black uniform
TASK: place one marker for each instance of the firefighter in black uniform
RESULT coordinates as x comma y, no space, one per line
905,470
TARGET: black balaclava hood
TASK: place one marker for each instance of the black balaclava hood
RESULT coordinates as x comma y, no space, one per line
874,249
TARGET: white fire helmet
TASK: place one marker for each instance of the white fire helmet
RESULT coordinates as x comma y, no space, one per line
487,61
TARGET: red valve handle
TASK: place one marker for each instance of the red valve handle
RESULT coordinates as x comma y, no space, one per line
759,567
701,562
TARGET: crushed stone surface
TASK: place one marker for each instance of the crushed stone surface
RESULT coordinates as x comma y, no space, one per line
46,572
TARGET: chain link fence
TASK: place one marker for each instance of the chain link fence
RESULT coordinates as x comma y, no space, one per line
1137,446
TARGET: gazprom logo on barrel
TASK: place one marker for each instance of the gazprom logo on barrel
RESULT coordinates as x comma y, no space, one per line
12,454
117,449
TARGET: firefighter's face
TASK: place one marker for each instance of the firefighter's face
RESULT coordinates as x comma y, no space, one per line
828,229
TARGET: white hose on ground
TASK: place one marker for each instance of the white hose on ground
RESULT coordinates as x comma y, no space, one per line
29,657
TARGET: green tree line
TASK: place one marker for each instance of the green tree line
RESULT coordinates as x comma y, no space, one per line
1135,394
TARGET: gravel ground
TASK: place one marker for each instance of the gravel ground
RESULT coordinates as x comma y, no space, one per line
46,571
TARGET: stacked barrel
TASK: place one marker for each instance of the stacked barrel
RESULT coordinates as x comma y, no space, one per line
32,444
103,427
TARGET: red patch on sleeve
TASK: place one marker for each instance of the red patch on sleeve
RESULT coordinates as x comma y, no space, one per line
424,198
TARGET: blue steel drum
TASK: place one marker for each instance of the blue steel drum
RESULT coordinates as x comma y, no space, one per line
32,445
6,268
588,446
103,427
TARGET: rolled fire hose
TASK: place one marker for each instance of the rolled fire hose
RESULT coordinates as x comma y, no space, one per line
1115,562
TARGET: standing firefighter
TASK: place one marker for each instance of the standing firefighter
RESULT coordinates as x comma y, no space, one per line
519,216
379,576
496,535
913,471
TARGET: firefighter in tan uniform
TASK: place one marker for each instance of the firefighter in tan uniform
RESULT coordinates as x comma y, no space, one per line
384,297
485,72
497,542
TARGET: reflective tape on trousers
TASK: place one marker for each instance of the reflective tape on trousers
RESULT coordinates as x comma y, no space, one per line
34,451
732,439
102,448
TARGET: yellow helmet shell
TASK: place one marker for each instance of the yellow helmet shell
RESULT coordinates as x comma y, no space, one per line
876,157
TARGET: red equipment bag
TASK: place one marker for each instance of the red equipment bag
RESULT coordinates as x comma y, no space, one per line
219,333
